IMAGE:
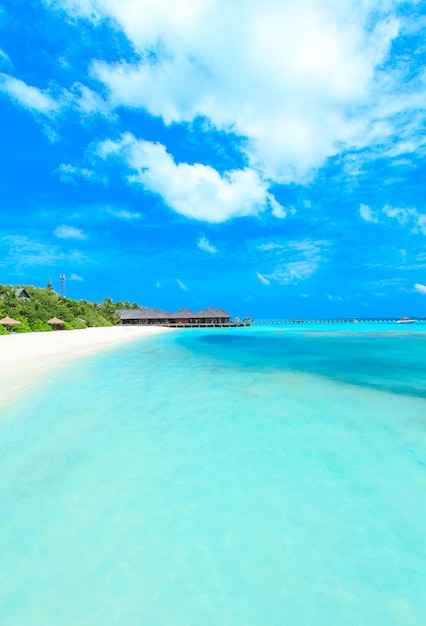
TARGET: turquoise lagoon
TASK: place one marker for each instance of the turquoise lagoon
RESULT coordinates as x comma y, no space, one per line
248,477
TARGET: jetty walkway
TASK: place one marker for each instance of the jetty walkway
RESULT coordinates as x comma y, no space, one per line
372,320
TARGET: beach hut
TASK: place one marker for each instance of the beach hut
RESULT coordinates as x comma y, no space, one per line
22,294
183,316
212,316
56,323
9,322
143,316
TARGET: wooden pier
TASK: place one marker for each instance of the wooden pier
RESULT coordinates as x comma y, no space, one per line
349,321
207,325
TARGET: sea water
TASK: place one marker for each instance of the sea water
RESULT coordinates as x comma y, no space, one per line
247,477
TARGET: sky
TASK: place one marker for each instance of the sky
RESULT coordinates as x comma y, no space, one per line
268,158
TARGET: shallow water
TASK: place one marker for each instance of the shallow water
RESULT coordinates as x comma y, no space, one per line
257,476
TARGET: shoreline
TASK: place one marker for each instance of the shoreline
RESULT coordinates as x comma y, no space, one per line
25,359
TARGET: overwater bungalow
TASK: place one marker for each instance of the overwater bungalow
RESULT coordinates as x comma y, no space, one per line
183,317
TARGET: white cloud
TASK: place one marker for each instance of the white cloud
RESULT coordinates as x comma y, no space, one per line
76,277
263,279
69,232
204,244
269,246
22,251
197,191
88,101
4,59
124,214
420,288
27,96
410,216
367,214
181,285
70,174
298,261
305,80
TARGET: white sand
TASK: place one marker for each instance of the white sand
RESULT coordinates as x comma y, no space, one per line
26,358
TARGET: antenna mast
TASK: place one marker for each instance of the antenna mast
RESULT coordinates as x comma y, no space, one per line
63,278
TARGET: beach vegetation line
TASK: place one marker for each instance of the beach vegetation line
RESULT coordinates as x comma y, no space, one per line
33,307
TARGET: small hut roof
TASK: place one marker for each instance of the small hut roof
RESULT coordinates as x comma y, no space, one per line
20,292
213,313
143,314
184,313
9,321
55,320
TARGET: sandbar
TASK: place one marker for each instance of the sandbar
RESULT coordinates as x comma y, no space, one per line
26,358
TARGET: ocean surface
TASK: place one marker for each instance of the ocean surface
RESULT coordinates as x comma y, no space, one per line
267,476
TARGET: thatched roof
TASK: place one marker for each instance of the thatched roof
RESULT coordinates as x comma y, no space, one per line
143,314
214,313
9,321
183,313
155,314
55,321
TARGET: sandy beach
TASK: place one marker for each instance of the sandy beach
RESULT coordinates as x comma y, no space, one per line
28,357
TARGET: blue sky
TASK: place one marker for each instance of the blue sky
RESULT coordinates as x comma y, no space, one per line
263,157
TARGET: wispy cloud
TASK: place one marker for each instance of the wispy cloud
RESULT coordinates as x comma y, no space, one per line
367,214
297,261
27,96
204,244
181,285
76,277
70,174
407,216
22,251
5,61
124,214
263,279
69,232
270,246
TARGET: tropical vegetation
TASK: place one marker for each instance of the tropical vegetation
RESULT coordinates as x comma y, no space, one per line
44,304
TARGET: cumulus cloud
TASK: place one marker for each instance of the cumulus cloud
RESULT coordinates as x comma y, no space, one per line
204,244
420,288
69,232
181,285
367,214
304,81
195,190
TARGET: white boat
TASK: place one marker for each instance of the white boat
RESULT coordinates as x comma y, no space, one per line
405,320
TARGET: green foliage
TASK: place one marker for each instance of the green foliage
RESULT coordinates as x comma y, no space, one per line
24,327
40,326
46,303
3,330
